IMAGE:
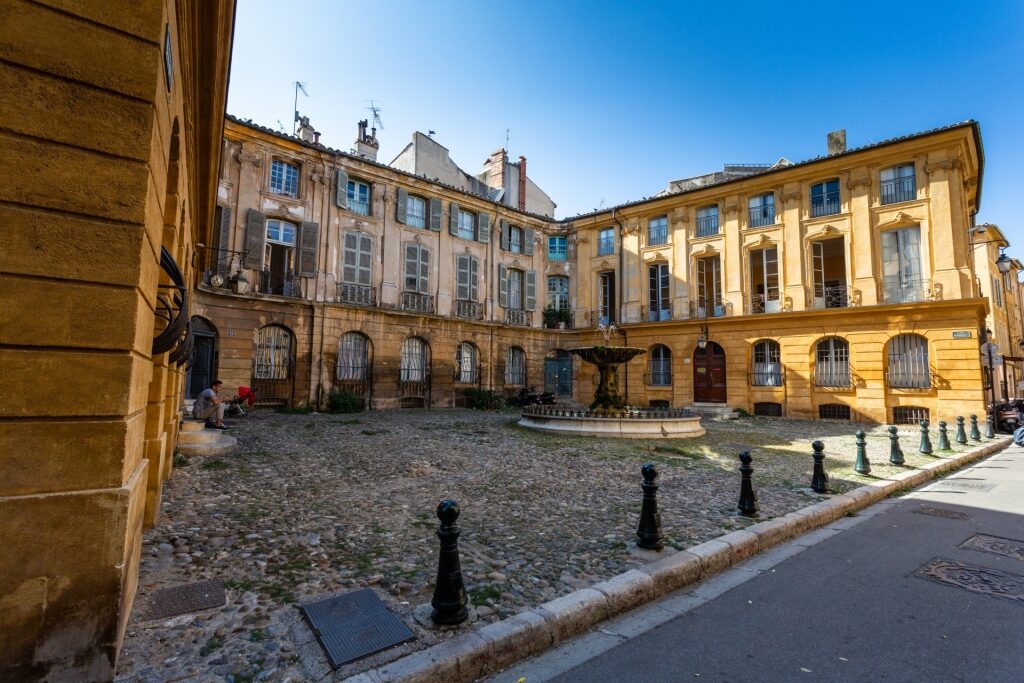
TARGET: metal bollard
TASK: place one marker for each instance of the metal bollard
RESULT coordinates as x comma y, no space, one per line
449,601
961,435
990,430
748,499
819,480
926,442
943,437
863,465
648,531
975,434
895,452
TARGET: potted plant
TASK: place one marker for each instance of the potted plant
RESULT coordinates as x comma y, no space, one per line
552,316
563,318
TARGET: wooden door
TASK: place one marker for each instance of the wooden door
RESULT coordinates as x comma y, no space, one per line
709,374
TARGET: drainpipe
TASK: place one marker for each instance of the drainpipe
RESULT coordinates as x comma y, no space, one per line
619,279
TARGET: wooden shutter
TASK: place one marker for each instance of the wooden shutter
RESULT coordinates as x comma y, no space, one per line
424,271
255,239
528,241
401,200
462,271
365,259
505,235
309,248
531,290
412,267
503,285
483,228
341,189
436,214
223,226
350,258
453,218
472,279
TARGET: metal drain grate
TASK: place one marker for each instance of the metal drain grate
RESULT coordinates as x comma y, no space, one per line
975,579
189,597
354,625
969,485
941,512
1006,547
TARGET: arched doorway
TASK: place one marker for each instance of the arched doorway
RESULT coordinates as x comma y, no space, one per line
558,373
709,374
204,357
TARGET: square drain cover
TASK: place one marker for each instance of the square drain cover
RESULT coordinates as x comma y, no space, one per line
354,625
975,579
1007,547
941,512
189,597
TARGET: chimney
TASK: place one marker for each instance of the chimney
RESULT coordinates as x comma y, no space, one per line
837,142
305,129
494,169
522,183
367,145
316,137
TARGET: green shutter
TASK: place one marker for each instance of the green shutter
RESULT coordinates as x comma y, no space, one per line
483,228
435,213
531,290
502,285
505,238
309,248
401,200
341,189
462,278
472,279
223,225
255,239
453,218
424,285
528,242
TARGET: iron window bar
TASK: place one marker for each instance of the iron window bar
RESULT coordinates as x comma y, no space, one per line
762,215
898,190
825,204
358,295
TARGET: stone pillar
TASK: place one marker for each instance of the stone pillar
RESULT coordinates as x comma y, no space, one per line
732,264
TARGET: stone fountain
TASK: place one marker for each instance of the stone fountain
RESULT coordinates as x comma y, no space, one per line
609,415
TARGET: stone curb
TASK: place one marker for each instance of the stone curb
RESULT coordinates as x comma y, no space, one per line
472,655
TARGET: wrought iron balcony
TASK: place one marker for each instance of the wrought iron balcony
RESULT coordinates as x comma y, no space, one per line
835,296
657,314
761,215
707,226
216,265
825,204
357,295
708,308
765,303
898,190
657,235
517,316
605,246
908,291
280,284
471,310
416,302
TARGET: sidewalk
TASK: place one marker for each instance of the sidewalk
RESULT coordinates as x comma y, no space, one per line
841,603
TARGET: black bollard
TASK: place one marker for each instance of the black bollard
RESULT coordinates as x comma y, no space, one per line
819,480
863,465
748,499
648,531
895,452
449,601
961,435
926,442
943,437
975,434
990,430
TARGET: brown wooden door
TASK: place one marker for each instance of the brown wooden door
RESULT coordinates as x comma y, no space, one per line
709,374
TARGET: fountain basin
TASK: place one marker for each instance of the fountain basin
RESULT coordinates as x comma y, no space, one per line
671,423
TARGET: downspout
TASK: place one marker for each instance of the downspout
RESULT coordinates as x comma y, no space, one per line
618,303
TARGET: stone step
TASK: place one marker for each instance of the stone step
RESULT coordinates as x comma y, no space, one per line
192,425
222,446
714,411
201,436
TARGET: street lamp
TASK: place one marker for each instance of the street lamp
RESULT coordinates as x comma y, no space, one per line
1004,262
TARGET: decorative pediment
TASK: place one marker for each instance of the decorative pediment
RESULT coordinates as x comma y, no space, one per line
604,265
249,158
416,238
900,218
515,264
706,250
828,230
759,242
652,256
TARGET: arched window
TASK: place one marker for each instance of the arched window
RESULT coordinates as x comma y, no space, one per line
832,368
353,357
414,360
767,370
908,362
273,353
465,364
515,366
660,359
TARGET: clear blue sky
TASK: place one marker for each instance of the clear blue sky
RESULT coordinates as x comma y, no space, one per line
610,100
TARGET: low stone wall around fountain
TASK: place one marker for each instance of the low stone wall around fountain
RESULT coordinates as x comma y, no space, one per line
634,424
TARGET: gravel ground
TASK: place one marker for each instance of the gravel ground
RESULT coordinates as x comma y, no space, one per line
312,505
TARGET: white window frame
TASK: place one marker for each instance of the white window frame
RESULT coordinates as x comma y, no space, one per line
660,366
657,231
558,295
284,178
605,241
465,363
355,204
767,364
467,225
415,212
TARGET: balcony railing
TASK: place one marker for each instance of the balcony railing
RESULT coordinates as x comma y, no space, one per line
761,215
416,302
471,310
825,204
898,190
517,316
908,291
833,376
219,262
708,308
656,236
280,284
656,314
765,303
835,296
605,246
357,295
768,376
707,226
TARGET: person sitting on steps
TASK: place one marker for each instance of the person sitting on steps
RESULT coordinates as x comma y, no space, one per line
210,407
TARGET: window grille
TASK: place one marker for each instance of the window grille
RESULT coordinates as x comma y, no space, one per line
908,362
768,409
414,360
909,415
834,411
353,357
833,363
465,364
707,221
515,367
657,231
273,353
767,370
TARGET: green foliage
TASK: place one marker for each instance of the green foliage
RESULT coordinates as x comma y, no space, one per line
344,402
215,465
483,399
180,459
212,645
480,595
553,316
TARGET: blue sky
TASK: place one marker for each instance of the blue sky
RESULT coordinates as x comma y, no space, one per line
610,100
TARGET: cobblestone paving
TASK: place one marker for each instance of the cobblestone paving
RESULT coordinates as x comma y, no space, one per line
312,505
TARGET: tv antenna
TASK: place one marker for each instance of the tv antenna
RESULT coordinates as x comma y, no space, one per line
299,85
375,110
506,139
281,126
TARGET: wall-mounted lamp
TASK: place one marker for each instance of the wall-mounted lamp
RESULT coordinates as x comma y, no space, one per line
1004,262
702,337
239,283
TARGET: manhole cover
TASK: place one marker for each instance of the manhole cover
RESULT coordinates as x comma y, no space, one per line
941,512
354,625
189,597
974,578
1007,547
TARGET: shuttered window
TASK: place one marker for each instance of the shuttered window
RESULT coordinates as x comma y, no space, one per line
466,278
358,197
467,225
415,212
908,362
357,263
417,268
515,289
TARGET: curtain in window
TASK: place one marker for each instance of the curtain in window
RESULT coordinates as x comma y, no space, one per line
465,361
273,353
353,357
414,360
901,265
515,366
767,364
661,366
515,289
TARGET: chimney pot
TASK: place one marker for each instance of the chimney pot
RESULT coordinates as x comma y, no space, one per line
837,142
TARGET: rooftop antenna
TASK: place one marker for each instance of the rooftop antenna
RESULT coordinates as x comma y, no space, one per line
281,126
375,110
298,86
506,139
